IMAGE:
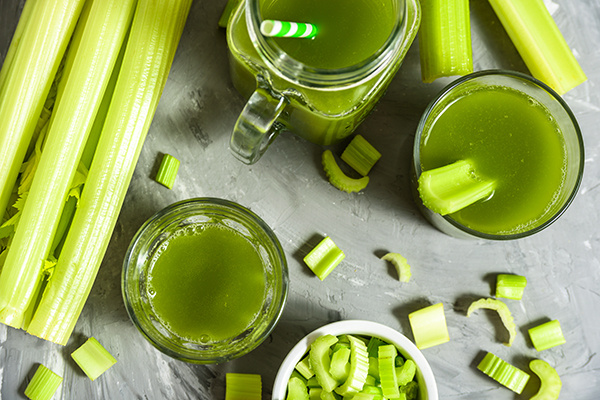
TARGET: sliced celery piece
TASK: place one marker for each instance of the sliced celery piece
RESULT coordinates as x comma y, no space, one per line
312,382
429,326
510,286
338,179
411,390
504,373
303,367
540,43
503,312
320,361
550,380
374,367
373,346
364,396
387,371
330,396
360,155
244,386
401,265
43,385
93,358
445,39
340,364
453,187
324,258
547,335
314,393
167,172
227,11
296,390
359,368
406,372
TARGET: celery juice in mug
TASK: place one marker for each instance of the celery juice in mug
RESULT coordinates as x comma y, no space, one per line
321,88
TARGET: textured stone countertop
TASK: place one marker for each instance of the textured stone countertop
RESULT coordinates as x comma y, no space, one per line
288,189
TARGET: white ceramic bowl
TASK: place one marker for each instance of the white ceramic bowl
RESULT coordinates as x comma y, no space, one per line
427,386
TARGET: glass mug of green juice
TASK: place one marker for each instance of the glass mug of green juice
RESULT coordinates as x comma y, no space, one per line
205,280
510,148
320,88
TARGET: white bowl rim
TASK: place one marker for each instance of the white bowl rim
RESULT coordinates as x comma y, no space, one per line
358,327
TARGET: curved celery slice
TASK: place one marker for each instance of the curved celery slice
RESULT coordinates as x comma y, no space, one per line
451,188
360,155
340,364
401,265
429,326
244,386
324,257
359,368
549,378
320,361
387,371
43,385
546,335
167,172
338,179
93,358
510,286
406,372
504,373
503,312
296,390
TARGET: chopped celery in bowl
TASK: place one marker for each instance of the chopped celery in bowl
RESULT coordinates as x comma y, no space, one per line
427,389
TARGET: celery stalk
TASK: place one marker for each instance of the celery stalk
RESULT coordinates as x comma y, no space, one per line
43,385
504,373
540,43
547,335
93,358
28,79
445,39
387,371
243,386
429,326
155,32
70,125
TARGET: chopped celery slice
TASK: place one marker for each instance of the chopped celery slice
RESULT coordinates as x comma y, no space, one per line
338,179
303,367
510,286
360,155
340,364
406,373
550,380
504,373
167,172
373,346
540,43
429,326
401,265
503,312
451,188
324,258
296,390
93,358
364,396
312,382
244,386
43,385
227,11
359,368
315,393
387,371
320,361
547,335
329,396
374,367
445,39
411,390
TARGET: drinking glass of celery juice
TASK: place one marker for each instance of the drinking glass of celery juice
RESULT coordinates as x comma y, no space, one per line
497,155
319,87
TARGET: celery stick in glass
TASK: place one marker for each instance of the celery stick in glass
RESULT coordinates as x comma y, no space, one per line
43,385
337,177
510,286
445,39
453,187
167,172
540,43
550,380
503,372
429,326
360,155
401,265
324,258
547,335
93,358
244,386
503,312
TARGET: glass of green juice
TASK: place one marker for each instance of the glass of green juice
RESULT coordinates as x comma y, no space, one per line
322,88
517,133
205,280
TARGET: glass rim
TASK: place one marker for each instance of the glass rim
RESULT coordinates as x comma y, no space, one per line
511,74
131,260
301,74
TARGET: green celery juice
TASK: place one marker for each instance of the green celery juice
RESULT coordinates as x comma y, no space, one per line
206,283
512,139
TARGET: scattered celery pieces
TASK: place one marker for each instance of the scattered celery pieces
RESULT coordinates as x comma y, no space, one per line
43,385
360,155
244,386
510,286
504,373
453,187
324,258
429,326
93,358
337,177
547,335
167,172
503,312
401,265
445,39
550,380
540,43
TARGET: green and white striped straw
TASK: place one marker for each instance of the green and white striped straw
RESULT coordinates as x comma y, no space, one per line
274,28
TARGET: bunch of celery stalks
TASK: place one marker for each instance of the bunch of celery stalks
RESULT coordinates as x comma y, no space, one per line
79,87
